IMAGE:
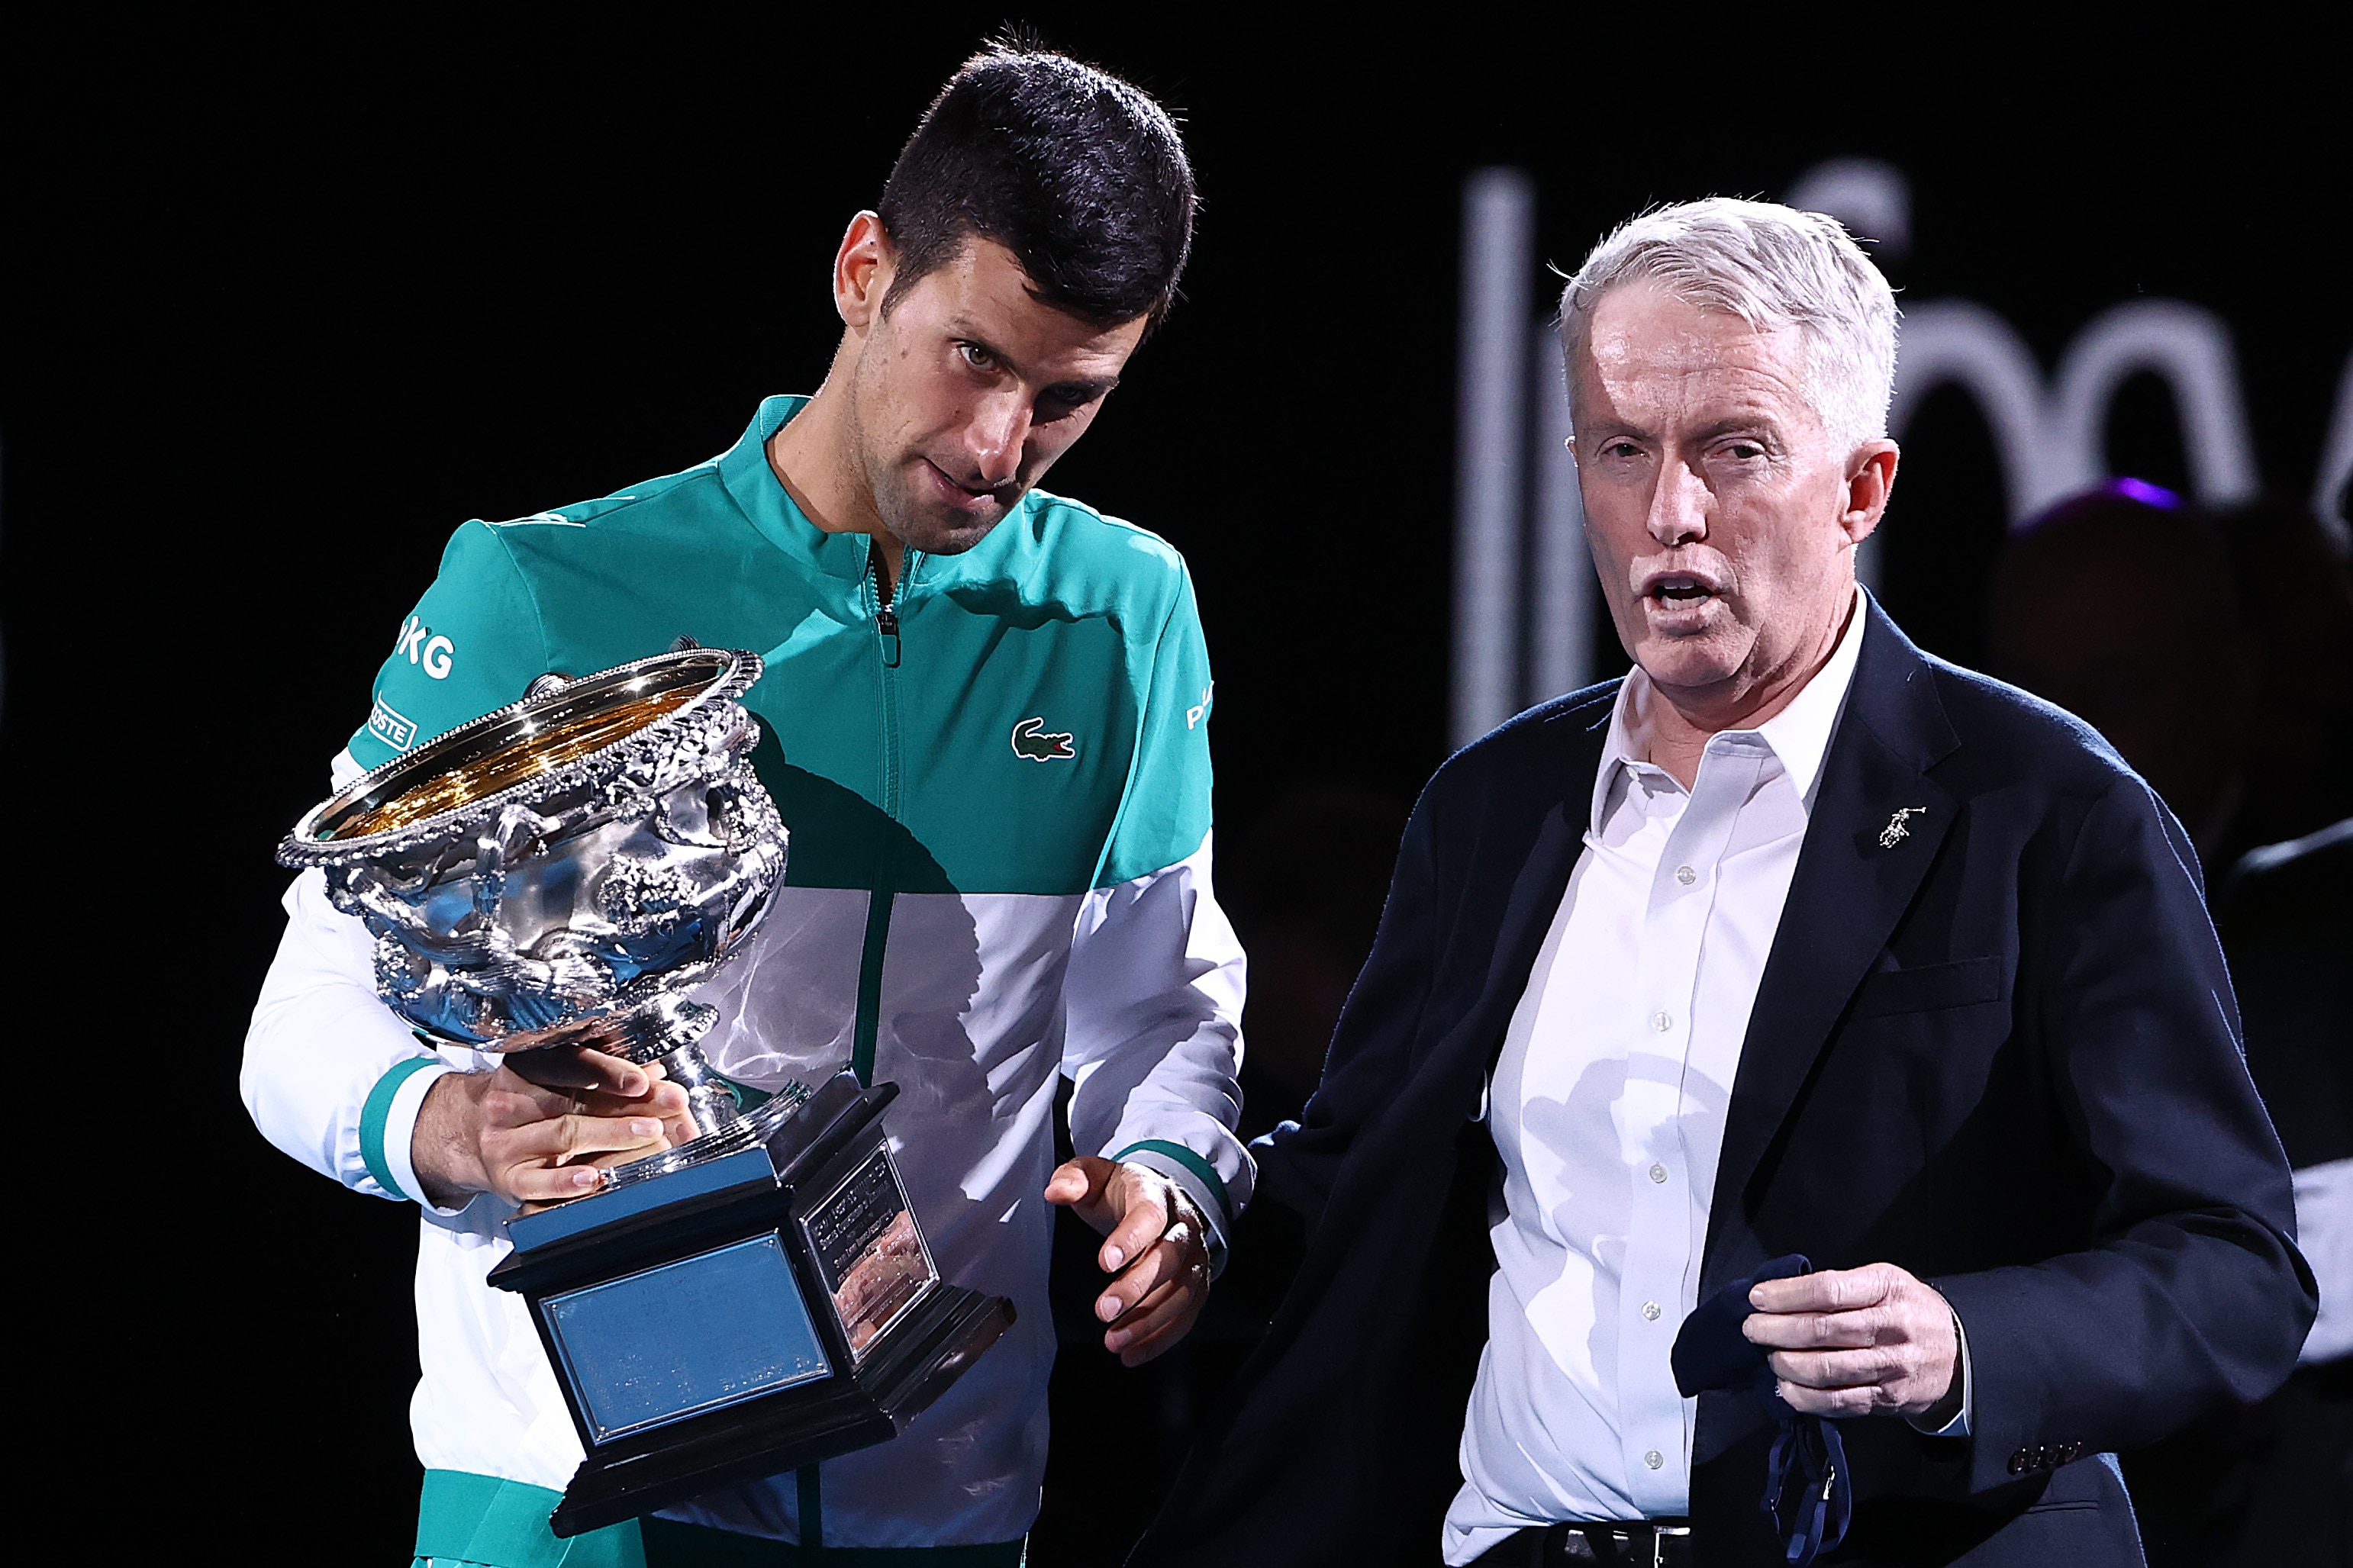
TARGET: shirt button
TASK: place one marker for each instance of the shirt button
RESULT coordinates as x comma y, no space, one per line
1651,1310
1663,1022
1686,876
1654,1459
1657,1173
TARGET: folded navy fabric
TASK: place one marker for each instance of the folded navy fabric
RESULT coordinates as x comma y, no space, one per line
1807,1458
1710,1351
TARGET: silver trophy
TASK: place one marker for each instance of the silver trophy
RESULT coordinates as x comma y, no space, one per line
565,871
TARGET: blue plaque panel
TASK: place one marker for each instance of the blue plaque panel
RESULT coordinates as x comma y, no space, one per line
664,1344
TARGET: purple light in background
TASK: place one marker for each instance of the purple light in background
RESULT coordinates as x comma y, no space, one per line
2144,492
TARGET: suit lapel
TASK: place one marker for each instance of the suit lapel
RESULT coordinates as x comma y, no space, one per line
1541,879
1856,875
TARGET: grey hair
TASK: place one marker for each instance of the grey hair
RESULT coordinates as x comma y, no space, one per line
1773,267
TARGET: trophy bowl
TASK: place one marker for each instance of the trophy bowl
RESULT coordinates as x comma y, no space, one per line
566,870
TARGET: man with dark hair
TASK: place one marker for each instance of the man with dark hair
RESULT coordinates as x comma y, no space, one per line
984,723
1097,206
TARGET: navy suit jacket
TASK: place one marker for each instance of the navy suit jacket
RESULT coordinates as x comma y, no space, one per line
1999,1050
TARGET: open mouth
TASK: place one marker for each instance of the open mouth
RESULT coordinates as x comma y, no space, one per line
1678,591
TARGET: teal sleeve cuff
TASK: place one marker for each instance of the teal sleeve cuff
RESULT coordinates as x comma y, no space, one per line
1191,1162
1199,1181
377,1112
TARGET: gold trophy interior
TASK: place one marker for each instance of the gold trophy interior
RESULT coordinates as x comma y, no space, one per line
501,756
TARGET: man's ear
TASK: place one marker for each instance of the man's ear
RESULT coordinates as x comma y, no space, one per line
1870,480
862,269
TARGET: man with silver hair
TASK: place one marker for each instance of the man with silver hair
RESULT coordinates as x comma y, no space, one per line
1794,1103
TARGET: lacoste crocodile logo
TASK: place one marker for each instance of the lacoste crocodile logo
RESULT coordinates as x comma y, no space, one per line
1030,741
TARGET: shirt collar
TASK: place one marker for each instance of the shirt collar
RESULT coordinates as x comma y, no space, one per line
769,506
1800,733
770,509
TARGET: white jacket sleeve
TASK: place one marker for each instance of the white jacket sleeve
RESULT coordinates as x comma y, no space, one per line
1154,1038
331,1077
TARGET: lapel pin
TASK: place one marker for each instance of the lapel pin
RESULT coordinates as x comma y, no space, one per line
1898,827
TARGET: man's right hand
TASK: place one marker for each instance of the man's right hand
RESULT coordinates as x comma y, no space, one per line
538,1128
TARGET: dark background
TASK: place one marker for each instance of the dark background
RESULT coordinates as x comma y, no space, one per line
288,301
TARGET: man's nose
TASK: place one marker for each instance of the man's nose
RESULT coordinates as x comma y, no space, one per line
1000,429
1678,506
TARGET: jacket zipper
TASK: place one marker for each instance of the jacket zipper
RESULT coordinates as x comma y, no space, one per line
886,613
887,599
884,600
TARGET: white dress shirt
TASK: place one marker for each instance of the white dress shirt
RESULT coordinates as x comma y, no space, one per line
2324,1234
1607,1108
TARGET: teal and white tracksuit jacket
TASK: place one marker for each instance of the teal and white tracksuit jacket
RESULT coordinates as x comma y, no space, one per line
998,789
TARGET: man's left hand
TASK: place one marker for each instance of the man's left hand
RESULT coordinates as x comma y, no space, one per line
1157,1247
1852,1341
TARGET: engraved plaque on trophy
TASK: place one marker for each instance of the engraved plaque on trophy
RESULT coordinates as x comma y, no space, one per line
563,871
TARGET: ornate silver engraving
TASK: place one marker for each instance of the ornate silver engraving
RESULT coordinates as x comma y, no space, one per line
592,854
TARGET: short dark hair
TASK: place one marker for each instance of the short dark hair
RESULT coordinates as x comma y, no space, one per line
1080,176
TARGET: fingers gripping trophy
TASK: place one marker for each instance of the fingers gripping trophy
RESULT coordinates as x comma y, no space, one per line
563,872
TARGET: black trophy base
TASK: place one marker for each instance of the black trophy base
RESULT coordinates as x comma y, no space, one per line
745,1315
926,1352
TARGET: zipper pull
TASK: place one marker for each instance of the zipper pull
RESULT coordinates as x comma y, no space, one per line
886,615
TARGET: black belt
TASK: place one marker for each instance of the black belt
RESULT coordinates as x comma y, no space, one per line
1627,1543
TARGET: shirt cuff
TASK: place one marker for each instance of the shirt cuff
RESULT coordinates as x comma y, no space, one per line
1958,1426
388,1126
1197,1179
2324,1234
